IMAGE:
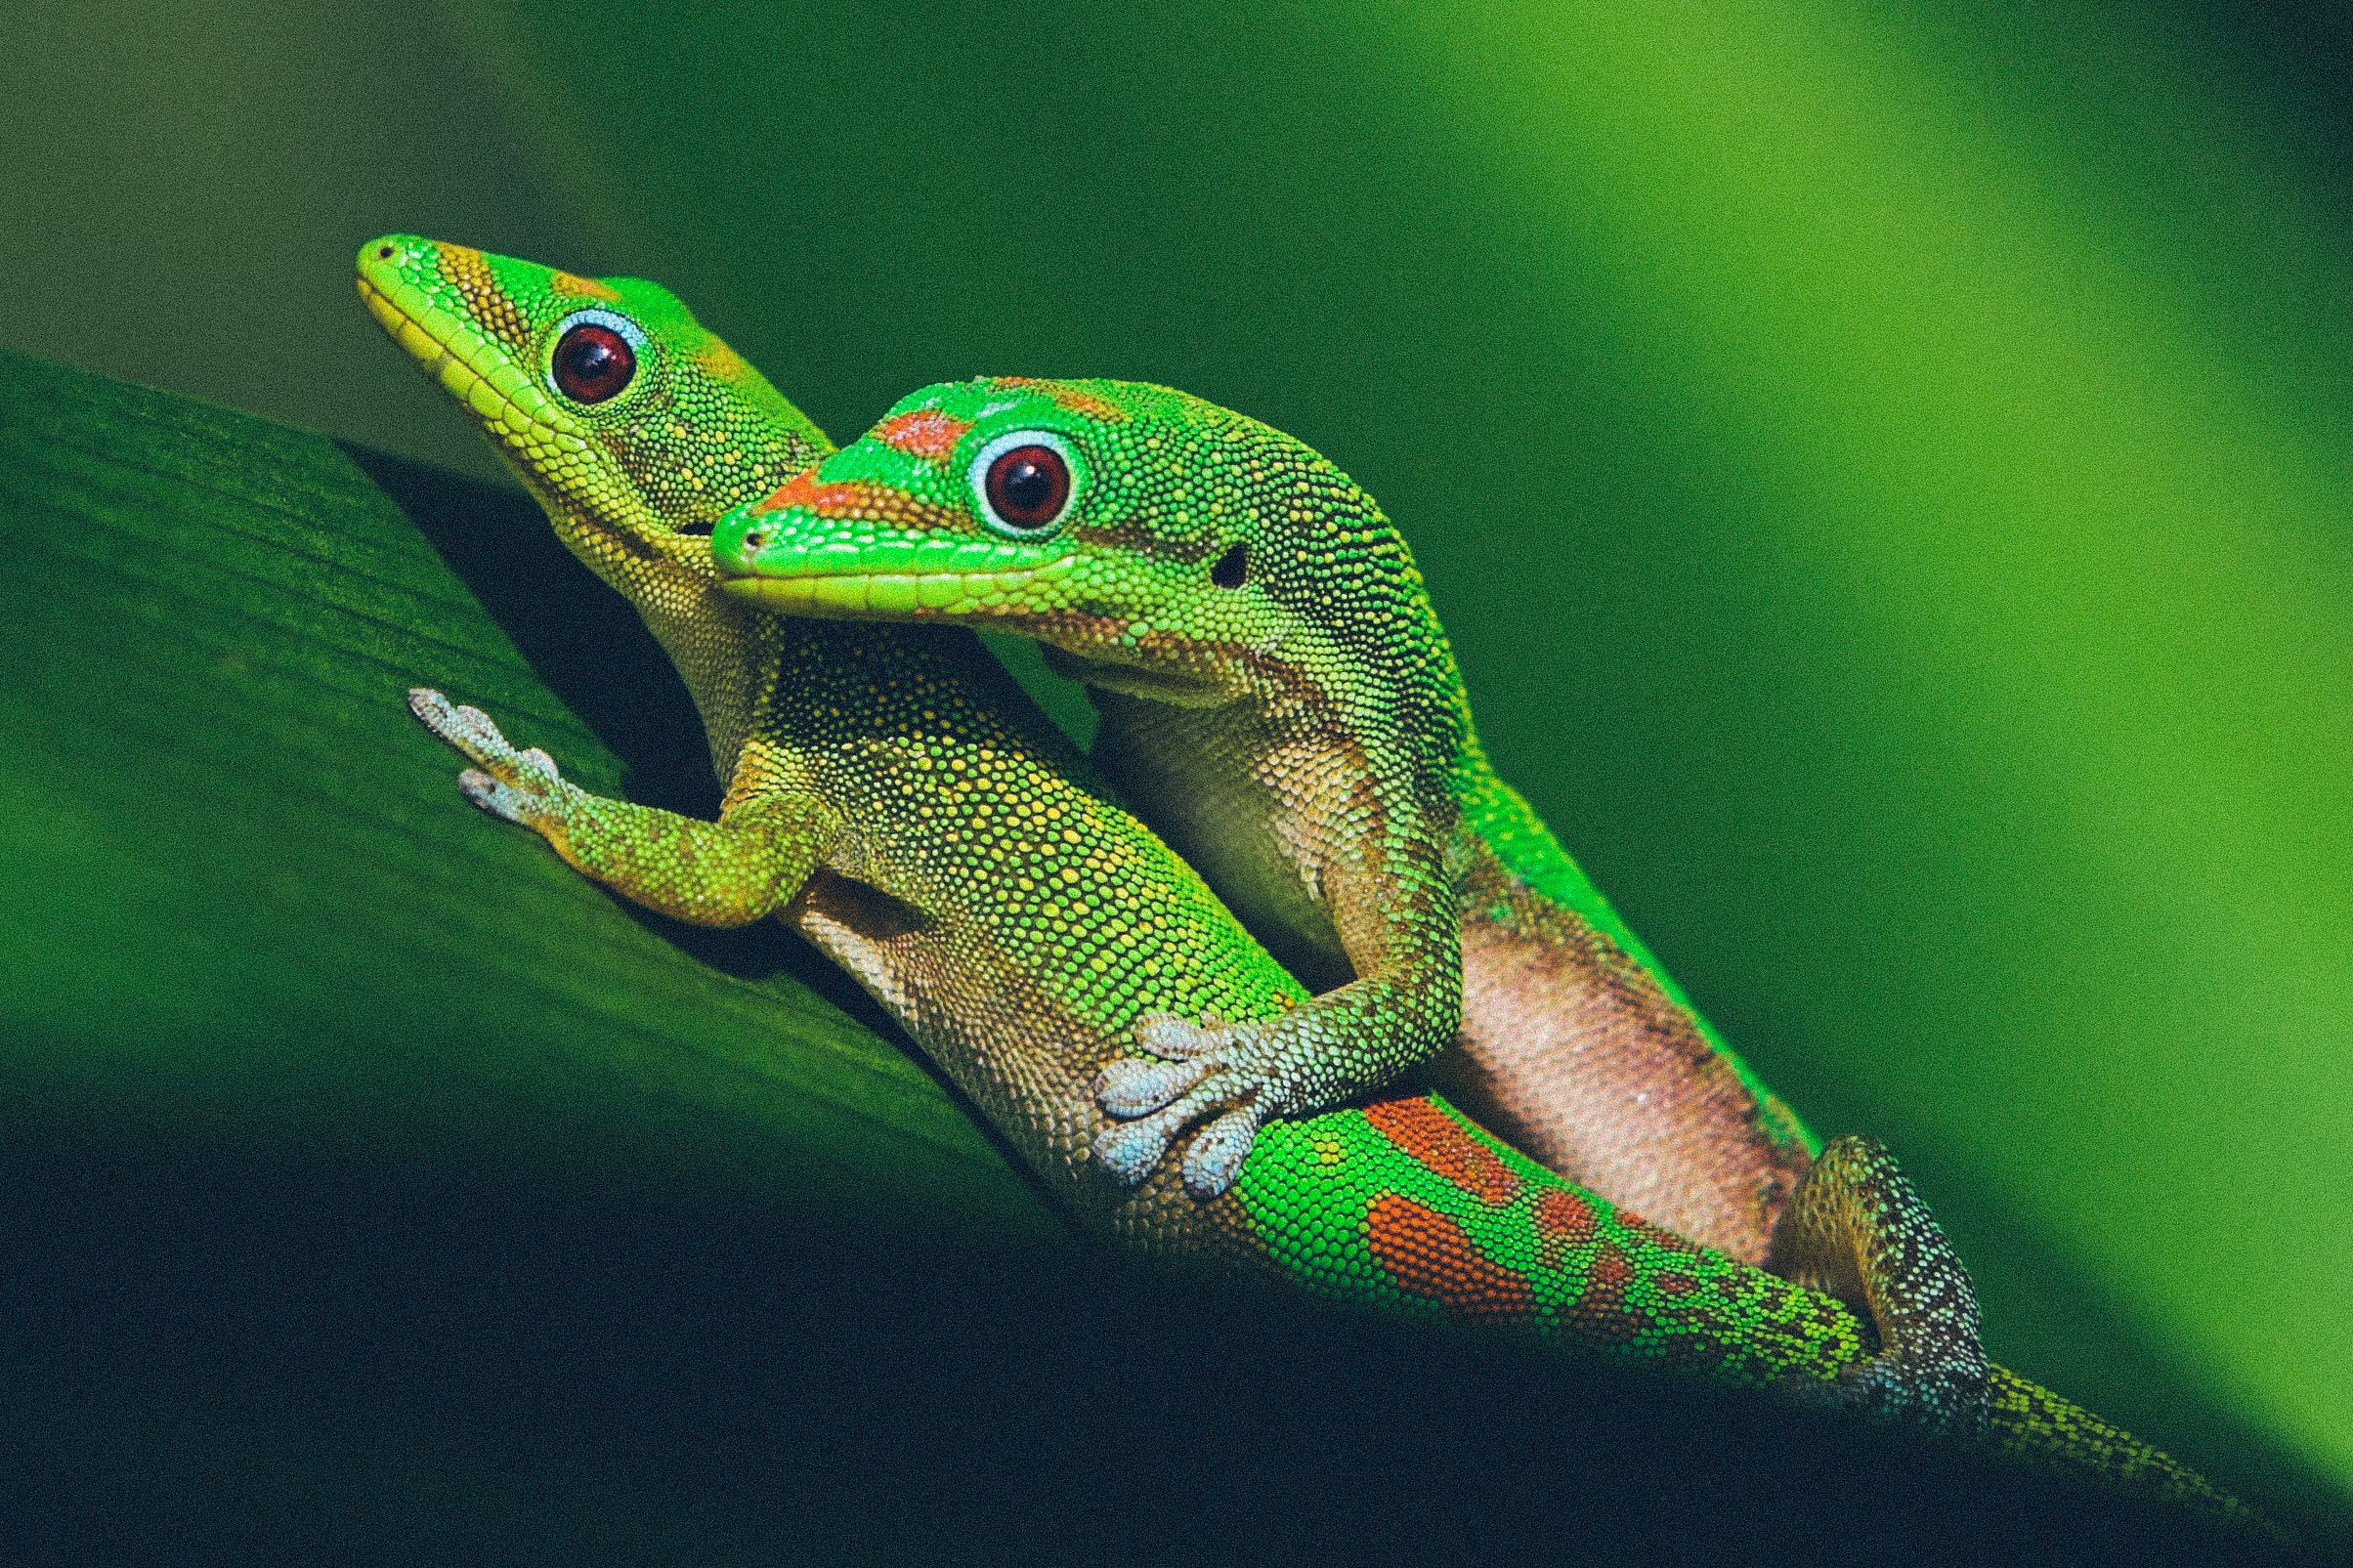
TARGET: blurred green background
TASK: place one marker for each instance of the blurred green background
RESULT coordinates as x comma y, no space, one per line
1885,469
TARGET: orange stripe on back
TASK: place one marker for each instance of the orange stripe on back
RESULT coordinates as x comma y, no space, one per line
1435,1139
1432,1256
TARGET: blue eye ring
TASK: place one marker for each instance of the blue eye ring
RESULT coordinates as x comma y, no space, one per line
1025,482
597,356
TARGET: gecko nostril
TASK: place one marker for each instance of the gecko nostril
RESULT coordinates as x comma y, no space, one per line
383,253
755,540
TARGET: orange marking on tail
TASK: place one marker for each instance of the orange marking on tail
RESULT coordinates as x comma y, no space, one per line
1430,1136
1601,1311
1563,1220
1432,1256
924,433
1664,1240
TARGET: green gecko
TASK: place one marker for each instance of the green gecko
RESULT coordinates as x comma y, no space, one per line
894,798
1278,699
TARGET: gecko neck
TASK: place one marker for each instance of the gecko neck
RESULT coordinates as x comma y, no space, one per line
711,637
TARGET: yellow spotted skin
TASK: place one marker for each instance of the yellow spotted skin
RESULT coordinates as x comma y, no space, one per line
1278,700
895,798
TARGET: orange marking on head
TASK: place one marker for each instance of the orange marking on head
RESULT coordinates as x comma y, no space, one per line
858,499
798,490
1432,1256
1438,1140
1086,404
582,287
924,433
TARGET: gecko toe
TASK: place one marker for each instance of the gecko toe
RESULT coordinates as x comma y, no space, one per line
1128,1088
501,800
1178,1039
1129,1152
1217,1155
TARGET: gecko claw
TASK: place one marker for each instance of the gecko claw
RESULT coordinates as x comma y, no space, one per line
1130,1151
517,786
500,800
1196,1078
1179,1039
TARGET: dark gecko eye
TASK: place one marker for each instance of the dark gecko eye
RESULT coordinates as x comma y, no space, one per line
1025,482
593,363
1028,486
597,356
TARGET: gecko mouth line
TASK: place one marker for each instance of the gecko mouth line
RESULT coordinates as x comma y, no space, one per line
895,593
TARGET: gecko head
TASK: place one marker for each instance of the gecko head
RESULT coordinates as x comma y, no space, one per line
632,424
1172,547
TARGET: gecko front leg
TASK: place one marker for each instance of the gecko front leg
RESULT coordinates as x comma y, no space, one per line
729,872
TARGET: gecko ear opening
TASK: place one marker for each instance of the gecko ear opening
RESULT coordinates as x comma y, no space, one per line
1232,568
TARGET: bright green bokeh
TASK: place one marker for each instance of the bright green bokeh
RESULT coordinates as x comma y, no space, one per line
1871,540
2072,536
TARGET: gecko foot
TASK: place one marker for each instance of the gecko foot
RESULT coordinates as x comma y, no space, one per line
1855,1229
518,787
1157,1100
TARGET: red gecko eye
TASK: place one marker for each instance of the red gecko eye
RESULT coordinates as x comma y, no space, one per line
593,363
1028,486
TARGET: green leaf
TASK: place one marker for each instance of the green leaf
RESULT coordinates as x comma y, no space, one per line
248,896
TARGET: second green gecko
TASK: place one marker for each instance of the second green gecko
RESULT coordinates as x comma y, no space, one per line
1279,701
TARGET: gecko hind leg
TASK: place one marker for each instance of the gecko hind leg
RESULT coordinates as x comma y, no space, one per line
1855,1230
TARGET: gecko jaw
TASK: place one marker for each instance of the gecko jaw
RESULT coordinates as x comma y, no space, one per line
901,595
482,378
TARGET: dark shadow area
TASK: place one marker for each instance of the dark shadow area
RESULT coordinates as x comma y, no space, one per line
2056,1319
490,1368
2139,1382
587,645
578,635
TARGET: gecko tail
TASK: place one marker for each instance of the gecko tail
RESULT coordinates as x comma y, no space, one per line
2027,1422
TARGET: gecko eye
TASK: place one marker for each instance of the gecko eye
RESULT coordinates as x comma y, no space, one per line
593,363
596,357
1024,483
1028,486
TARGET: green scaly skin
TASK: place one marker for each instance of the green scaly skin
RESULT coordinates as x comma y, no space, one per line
1278,699
894,798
